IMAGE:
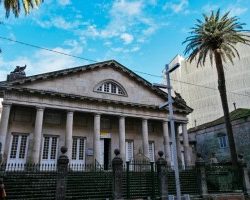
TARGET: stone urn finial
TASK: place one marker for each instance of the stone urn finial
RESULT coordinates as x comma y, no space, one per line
117,152
160,153
64,149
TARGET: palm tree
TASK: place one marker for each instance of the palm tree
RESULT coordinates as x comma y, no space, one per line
215,37
15,6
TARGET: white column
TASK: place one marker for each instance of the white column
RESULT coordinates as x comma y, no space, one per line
96,138
4,124
186,145
166,142
122,138
145,137
37,135
69,130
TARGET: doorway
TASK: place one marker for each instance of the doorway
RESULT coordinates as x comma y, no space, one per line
105,144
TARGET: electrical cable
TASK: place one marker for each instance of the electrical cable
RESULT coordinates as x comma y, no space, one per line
91,60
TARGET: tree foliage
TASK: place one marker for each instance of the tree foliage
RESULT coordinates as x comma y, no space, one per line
215,32
14,6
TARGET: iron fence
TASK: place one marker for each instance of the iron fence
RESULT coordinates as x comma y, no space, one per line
223,178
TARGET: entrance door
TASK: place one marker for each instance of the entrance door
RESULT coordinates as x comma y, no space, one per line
49,152
78,153
18,150
105,157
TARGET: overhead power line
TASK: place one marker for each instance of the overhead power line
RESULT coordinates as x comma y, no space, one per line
91,60
187,83
46,49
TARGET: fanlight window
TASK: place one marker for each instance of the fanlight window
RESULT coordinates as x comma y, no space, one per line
111,87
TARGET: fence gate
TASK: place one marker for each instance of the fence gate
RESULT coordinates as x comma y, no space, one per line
140,180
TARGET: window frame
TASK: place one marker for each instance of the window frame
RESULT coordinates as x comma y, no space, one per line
107,86
223,143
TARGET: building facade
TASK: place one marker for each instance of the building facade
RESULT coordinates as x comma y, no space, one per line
211,138
91,110
198,86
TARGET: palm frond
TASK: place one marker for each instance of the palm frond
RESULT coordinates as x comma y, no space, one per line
215,33
14,6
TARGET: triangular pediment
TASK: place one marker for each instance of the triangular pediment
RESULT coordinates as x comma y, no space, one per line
85,80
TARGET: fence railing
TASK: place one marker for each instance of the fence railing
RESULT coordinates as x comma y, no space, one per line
223,178
137,179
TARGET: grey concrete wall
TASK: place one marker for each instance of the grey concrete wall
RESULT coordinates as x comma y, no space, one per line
206,102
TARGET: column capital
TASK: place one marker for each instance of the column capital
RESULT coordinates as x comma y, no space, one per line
97,114
70,111
40,108
144,119
122,116
5,104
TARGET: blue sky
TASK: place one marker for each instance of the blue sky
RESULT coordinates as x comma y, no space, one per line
143,35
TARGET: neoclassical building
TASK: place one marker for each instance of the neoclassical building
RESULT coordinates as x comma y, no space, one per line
91,109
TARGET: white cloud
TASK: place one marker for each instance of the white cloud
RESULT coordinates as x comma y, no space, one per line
209,7
236,10
59,22
128,22
176,7
44,61
64,2
126,8
127,38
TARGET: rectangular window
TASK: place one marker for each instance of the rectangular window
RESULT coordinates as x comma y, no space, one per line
23,144
74,148
18,149
49,147
14,145
78,148
222,141
81,149
53,148
46,148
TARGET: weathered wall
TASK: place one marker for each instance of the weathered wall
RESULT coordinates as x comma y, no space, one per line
208,142
84,82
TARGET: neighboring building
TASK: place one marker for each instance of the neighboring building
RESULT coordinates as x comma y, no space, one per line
92,110
212,138
206,102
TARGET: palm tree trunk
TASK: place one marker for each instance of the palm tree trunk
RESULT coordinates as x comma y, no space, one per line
223,95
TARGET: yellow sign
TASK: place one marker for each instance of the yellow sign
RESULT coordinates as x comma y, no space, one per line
104,134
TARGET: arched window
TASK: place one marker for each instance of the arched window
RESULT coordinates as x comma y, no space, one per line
111,87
